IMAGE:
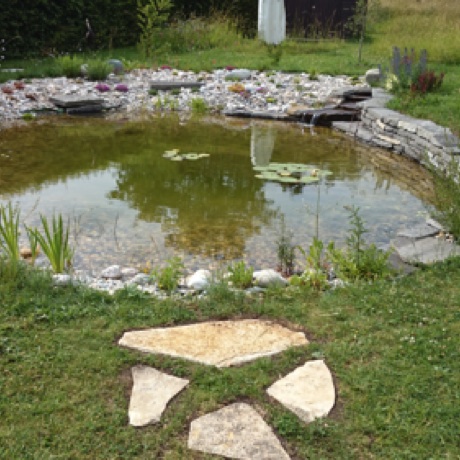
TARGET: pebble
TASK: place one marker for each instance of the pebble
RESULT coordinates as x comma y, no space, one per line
272,91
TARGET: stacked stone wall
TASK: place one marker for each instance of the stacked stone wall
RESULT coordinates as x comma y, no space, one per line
421,140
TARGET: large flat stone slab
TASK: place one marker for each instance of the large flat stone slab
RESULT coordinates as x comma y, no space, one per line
218,343
308,391
236,431
426,250
168,85
66,102
152,390
419,231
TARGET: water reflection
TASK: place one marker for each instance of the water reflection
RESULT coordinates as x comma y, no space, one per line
134,205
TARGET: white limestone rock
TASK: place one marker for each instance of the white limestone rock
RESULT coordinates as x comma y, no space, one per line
268,278
152,390
308,391
372,76
200,280
216,343
236,431
112,273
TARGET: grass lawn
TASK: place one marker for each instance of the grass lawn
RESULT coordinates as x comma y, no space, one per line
393,347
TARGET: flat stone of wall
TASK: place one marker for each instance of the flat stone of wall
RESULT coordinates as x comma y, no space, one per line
421,140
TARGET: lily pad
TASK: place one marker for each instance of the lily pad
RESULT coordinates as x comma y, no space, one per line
177,158
170,153
308,180
190,156
288,180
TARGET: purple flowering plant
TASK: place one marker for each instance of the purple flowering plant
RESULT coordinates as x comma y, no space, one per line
102,87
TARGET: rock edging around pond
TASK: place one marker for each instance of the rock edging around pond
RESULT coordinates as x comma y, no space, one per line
421,140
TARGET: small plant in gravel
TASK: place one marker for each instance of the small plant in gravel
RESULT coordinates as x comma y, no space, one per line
167,278
199,106
240,275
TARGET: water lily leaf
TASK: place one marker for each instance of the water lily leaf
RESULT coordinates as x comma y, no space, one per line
288,180
177,158
262,168
191,156
170,153
308,180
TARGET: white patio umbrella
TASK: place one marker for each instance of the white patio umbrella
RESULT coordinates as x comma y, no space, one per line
272,21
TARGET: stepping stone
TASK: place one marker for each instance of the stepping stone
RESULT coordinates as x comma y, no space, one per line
152,390
167,85
218,343
308,391
67,102
425,250
236,431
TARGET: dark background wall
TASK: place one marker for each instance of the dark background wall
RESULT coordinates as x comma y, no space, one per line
43,27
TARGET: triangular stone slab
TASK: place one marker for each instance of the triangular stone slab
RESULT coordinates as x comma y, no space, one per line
217,343
152,390
308,391
236,431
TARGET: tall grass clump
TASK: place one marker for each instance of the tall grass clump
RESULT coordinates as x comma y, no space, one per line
54,242
98,70
9,240
447,195
431,25
70,66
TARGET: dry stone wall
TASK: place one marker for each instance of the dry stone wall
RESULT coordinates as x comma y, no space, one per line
420,140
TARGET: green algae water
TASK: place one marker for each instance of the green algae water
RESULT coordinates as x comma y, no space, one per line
129,205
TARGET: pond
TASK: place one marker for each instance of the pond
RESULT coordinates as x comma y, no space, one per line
129,205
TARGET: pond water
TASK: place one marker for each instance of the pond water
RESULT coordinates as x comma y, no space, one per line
129,205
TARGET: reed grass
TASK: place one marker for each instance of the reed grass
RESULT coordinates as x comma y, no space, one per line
55,243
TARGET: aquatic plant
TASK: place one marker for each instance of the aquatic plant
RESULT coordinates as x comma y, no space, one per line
174,155
55,243
9,232
290,173
285,251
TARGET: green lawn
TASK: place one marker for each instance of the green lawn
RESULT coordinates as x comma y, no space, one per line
392,346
